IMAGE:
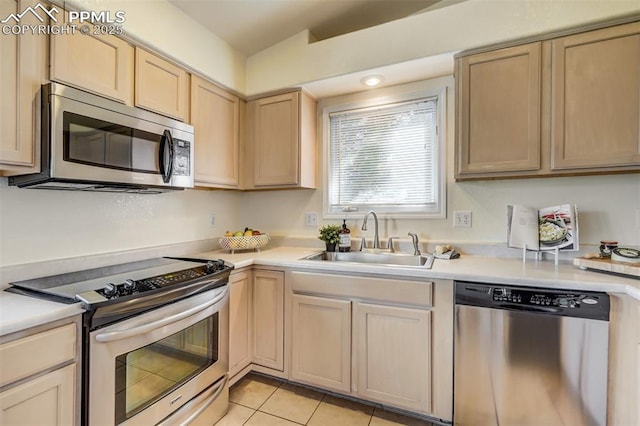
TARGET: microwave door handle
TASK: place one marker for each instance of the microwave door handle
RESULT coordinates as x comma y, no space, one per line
166,161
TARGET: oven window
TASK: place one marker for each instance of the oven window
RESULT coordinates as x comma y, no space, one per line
104,144
147,374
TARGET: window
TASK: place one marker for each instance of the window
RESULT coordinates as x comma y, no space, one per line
387,158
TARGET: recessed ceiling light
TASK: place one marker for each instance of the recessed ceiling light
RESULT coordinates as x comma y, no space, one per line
372,80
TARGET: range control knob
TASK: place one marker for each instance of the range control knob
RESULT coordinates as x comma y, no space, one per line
110,290
210,267
129,285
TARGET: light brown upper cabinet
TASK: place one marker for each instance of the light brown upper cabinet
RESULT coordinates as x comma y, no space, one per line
22,72
499,117
596,99
281,142
215,115
102,64
161,86
559,105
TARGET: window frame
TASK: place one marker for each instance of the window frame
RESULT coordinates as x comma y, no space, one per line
375,101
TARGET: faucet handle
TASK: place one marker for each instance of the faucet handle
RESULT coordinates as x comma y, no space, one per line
416,244
390,244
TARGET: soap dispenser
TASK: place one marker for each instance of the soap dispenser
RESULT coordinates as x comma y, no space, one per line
345,237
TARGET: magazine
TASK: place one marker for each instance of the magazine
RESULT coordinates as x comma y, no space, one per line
543,229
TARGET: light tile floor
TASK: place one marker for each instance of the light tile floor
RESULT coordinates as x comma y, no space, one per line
262,401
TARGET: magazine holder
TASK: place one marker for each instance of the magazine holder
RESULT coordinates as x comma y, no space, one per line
555,251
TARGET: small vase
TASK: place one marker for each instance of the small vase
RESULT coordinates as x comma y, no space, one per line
331,247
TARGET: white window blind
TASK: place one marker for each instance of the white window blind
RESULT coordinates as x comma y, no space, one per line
385,158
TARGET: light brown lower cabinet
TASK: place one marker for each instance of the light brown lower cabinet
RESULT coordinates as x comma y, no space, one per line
39,375
45,400
240,306
384,340
393,353
392,359
624,361
268,319
321,342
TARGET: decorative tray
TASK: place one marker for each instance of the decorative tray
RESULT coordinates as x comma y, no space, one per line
255,242
607,265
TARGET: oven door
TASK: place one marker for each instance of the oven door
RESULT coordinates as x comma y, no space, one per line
145,368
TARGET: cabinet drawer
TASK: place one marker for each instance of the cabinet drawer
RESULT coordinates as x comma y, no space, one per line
389,290
29,355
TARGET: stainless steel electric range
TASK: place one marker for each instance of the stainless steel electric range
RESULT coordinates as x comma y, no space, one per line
155,339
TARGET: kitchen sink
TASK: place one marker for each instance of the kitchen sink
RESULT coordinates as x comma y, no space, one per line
377,258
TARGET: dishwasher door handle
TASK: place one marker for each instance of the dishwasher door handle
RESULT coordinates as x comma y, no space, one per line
526,308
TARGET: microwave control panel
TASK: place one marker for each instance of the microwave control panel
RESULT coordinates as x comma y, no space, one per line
181,158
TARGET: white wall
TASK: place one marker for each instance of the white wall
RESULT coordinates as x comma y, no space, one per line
607,204
37,225
461,26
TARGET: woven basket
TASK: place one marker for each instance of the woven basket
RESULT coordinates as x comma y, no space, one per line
255,242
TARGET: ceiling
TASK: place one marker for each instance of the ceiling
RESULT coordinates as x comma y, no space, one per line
253,25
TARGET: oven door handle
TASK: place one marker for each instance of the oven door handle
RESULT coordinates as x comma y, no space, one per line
145,328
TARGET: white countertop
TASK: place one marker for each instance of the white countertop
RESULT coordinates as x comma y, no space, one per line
495,270
20,312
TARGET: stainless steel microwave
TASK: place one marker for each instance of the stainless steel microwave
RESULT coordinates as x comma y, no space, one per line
95,144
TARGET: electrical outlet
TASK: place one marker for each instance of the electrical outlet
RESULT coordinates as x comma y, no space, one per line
213,219
462,219
311,219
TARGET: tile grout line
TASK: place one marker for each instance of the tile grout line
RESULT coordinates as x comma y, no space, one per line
269,397
283,418
252,414
316,409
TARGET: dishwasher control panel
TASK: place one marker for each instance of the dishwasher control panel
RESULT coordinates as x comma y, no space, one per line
564,302
568,300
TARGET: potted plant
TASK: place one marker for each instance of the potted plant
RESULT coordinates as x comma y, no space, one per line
329,234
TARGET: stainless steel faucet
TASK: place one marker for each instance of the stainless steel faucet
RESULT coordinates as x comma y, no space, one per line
376,240
416,244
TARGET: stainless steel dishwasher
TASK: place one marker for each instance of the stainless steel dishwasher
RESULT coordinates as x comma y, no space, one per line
530,356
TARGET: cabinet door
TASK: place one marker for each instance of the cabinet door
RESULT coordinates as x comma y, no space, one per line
498,123
102,64
239,322
45,400
268,319
624,361
596,99
393,356
215,117
161,86
638,370
321,342
276,136
23,70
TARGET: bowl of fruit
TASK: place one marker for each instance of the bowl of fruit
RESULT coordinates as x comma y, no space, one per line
244,240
